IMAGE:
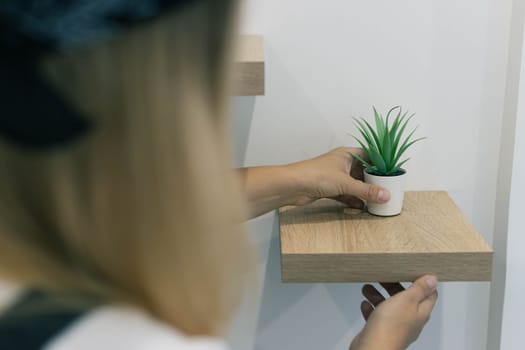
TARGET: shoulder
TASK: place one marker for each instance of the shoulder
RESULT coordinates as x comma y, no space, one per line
125,328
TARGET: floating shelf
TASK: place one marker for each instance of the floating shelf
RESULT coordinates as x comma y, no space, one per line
328,242
249,66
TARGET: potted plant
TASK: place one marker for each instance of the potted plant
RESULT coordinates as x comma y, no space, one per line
384,146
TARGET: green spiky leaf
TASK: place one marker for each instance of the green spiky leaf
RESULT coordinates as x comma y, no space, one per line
386,143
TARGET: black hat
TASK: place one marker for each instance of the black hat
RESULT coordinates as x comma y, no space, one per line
32,114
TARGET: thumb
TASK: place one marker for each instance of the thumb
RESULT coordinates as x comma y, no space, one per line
368,192
422,288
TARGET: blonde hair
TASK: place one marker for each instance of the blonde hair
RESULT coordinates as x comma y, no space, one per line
145,209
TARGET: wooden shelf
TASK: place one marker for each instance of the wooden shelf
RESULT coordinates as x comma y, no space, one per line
249,66
327,242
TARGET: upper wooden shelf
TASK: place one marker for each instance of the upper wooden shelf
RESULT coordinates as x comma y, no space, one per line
327,242
249,66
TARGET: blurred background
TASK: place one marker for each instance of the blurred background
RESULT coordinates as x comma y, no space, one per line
456,64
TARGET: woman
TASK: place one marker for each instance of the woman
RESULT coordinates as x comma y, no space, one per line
119,215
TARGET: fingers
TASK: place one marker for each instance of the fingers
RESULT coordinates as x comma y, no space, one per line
372,294
368,192
355,150
366,309
426,306
392,288
422,288
356,167
351,201
374,298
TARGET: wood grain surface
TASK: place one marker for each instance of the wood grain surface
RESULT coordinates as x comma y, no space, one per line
327,242
249,66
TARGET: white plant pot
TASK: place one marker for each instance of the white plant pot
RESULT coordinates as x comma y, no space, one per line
396,186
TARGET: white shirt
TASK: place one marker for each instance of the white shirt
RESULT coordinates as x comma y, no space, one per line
116,328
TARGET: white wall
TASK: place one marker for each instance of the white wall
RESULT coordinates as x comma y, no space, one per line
330,60
514,303
505,169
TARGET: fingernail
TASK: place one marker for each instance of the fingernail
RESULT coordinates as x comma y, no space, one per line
432,282
383,195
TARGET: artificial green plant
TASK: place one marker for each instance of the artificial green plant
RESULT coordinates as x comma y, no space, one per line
385,144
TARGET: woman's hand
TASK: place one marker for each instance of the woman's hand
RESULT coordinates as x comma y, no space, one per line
395,323
339,176
335,175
